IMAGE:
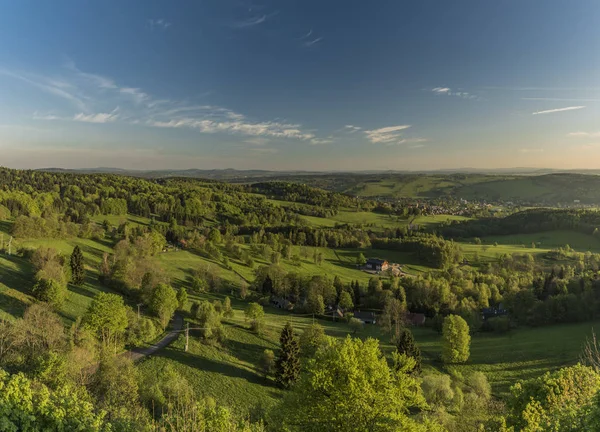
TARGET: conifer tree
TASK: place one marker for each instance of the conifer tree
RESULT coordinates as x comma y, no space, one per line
287,367
406,345
77,268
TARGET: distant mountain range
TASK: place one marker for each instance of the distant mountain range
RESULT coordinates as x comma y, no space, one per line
233,174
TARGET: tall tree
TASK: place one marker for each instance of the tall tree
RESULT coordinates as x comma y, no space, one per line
455,339
77,267
349,387
406,345
164,303
287,367
106,317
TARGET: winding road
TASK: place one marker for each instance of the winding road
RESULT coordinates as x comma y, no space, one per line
137,354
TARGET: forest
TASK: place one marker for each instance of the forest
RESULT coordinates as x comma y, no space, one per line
98,269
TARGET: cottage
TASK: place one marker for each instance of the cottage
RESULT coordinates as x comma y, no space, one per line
366,317
377,264
493,312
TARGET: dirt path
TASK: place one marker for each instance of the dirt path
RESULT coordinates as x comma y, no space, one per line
137,354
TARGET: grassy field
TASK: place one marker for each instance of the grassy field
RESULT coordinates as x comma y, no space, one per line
229,372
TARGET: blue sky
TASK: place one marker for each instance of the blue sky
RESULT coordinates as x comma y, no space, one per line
302,84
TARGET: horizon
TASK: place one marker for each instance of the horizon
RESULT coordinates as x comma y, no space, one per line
301,86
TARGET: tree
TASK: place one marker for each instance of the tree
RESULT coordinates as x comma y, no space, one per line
406,345
556,401
361,260
50,291
215,236
77,266
210,320
455,339
163,303
346,301
349,387
28,405
106,317
267,362
255,313
182,297
287,366
311,339
227,310
315,304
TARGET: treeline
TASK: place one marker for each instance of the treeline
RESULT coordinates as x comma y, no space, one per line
528,221
431,249
301,193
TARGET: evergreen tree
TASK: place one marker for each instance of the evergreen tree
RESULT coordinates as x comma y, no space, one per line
406,345
287,367
77,269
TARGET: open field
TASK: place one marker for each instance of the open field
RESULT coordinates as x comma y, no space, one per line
229,372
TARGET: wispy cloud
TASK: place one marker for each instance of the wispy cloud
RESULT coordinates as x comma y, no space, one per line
96,118
386,135
258,141
135,106
584,134
531,150
322,141
550,111
313,42
352,128
416,146
447,91
264,150
590,146
159,24
253,20
49,85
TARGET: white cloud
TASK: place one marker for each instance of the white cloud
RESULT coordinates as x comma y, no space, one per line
251,22
352,128
531,150
550,111
386,135
159,24
320,141
139,107
313,42
447,91
417,146
584,134
96,118
258,141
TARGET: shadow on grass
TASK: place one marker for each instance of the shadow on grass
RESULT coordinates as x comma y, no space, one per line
209,365
12,305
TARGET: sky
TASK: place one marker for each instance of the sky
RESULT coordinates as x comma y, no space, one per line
300,84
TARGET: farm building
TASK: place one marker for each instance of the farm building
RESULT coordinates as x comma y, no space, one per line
377,264
366,317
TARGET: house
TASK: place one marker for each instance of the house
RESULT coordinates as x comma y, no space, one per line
377,264
282,303
415,319
493,312
366,317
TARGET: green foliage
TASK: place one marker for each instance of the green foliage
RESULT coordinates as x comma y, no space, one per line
77,266
50,291
406,345
106,318
348,387
287,367
315,304
356,325
256,314
27,405
267,362
456,340
346,302
182,298
557,401
163,303
227,309
361,260
210,320
311,339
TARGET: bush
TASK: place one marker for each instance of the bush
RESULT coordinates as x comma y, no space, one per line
255,313
50,291
267,362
